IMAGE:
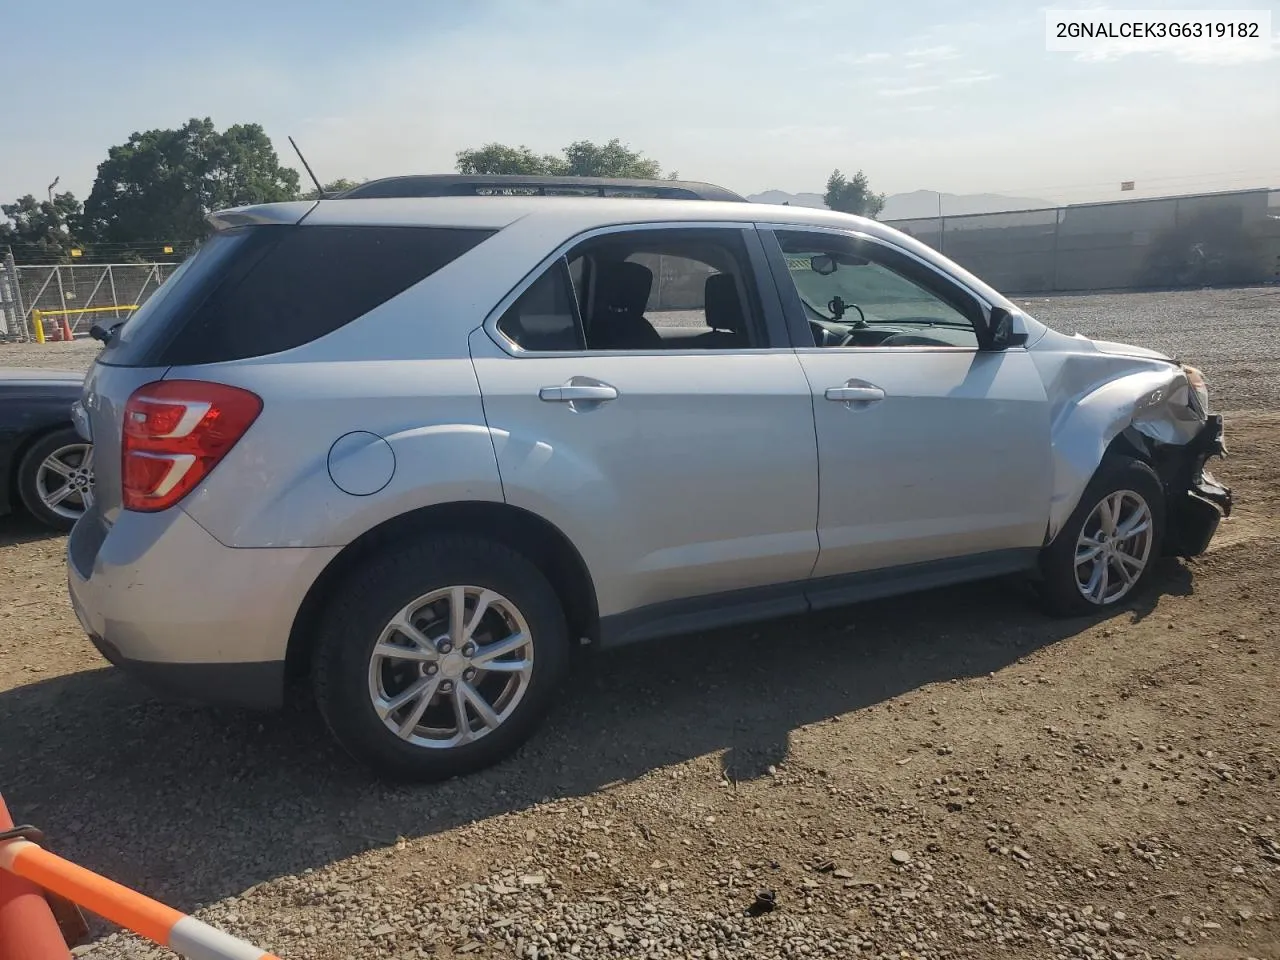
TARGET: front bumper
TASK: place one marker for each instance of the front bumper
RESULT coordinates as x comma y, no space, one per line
1197,501
160,597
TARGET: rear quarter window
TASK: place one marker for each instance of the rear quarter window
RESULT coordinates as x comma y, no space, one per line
278,287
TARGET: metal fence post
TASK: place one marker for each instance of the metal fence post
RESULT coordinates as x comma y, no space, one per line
1057,222
17,320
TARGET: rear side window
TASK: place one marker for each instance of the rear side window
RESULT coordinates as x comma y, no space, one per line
272,288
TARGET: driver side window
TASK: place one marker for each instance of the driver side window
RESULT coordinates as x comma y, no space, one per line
860,294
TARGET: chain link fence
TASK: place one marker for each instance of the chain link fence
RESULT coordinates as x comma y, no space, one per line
1218,239
72,291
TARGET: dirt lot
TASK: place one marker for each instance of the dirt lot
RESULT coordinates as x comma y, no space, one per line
948,775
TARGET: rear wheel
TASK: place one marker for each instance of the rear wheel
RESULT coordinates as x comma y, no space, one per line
1108,547
55,478
438,659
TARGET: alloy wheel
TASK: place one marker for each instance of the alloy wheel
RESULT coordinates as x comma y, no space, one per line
1114,547
451,667
64,480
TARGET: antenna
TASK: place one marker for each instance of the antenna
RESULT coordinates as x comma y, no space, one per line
310,173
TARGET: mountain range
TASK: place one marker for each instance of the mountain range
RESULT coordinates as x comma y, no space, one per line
917,203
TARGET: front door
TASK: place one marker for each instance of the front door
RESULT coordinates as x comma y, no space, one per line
930,447
638,403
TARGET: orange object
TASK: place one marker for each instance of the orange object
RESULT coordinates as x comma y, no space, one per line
104,897
22,860
28,930
67,335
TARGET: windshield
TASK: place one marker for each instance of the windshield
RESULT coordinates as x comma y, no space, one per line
879,294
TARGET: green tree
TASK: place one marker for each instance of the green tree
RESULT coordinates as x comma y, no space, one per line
500,158
40,229
161,184
852,196
333,186
613,159
582,158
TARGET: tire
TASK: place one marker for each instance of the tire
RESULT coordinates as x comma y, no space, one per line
1071,590
351,671
39,485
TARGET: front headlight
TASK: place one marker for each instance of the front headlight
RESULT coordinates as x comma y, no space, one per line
1198,387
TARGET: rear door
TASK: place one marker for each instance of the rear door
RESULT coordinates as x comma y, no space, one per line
931,447
681,459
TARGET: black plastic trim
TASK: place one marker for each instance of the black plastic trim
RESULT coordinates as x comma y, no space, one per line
258,686
716,610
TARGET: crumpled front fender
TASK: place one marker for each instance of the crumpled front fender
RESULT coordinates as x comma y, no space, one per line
1155,400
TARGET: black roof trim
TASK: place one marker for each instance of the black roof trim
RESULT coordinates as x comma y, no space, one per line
461,185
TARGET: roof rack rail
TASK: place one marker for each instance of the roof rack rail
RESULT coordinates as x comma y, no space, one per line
510,185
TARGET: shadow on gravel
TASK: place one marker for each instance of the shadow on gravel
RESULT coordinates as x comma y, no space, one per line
193,804
16,528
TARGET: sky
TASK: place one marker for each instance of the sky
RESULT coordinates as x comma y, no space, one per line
959,97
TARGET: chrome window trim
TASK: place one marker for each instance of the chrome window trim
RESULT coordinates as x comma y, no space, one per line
509,346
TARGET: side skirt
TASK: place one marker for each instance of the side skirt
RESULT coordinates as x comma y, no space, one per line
716,610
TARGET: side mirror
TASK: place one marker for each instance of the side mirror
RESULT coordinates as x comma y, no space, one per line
1002,334
823,264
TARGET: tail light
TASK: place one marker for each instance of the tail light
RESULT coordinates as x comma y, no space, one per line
175,432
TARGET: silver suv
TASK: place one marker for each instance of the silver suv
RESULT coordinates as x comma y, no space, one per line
421,441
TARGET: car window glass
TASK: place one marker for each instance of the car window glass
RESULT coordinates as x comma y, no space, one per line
644,290
855,294
677,289
545,316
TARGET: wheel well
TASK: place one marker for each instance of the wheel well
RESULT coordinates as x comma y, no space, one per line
19,453
1129,443
525,532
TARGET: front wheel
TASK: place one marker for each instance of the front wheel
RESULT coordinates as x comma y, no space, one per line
1106,550
440,658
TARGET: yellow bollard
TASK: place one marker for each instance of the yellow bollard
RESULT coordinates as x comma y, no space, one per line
37,321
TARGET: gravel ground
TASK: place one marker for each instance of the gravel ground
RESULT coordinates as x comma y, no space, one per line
1230,334
950,775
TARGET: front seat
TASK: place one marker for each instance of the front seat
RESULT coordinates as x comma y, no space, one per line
618,323
724,314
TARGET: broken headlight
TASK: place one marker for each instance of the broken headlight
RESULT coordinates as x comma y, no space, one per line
1195,379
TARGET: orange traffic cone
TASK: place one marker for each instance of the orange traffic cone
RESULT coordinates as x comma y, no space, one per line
28,930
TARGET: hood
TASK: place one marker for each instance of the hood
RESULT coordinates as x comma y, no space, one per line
1125,349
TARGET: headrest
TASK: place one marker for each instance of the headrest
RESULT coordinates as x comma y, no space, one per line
623,287
723,306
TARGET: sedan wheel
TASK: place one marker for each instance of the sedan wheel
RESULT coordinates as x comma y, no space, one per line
451,667
64,480
1114,547
55,478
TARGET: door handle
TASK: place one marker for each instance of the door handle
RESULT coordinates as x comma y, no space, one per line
849,393
570,392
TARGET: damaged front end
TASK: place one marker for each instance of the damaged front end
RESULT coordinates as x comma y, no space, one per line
1110,399
1195,502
